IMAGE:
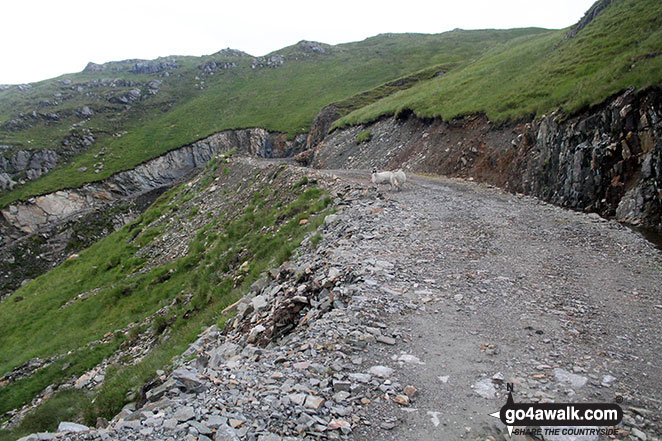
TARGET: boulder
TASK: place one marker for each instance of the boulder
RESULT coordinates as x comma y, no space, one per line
66,426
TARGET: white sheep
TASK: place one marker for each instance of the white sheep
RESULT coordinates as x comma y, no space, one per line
399,178
393,179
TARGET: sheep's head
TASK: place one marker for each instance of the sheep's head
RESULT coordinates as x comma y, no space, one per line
374,170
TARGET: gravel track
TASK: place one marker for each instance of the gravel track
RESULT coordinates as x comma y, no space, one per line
507,284
411,314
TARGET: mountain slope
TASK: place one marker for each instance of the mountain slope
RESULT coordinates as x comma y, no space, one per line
139,296
620,47
114,116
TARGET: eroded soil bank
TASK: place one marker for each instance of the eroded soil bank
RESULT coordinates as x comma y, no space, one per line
607,159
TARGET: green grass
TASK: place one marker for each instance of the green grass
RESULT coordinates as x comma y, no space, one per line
22,391
65,405
537,74
127,288
285,99
363,136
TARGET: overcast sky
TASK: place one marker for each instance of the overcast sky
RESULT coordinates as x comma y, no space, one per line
42,39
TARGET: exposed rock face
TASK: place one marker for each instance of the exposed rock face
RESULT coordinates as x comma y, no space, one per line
24,121
597,7
164,170
85,112
321,125
131,96
154,66
272,61
135,66
30,256
311,46
212,66
606,160
229,52
25,163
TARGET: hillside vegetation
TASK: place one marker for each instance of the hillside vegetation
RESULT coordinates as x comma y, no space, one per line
537,74
132,302
137,115
151,286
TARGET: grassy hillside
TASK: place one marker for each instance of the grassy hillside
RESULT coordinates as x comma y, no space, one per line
164,278
191,103
533,75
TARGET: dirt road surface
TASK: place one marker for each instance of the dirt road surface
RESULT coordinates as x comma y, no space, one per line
505,289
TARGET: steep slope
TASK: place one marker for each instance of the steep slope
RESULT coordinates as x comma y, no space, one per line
404,318
607,159
572,117
619,47
139,296
114,116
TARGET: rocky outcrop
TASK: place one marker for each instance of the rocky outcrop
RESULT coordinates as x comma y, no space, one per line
312,47
590,15
321,125
154,66
271,61
135,66
607,159
213,66
30,256
30,164
45,210
24,121
229,52
129,97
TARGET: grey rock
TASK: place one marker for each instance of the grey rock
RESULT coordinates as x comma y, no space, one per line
155,84
189,379
131,425
341,386
222,353
313,402
156,393
66,426
85,112
331,219
259,302
215,421
608,380
272,61
386,340
184,413
226,433
639,434
43,160
407,358
255,332
170,423
297,398
381,371
6,182
201,428
565,377
19,160
361,378
485,388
